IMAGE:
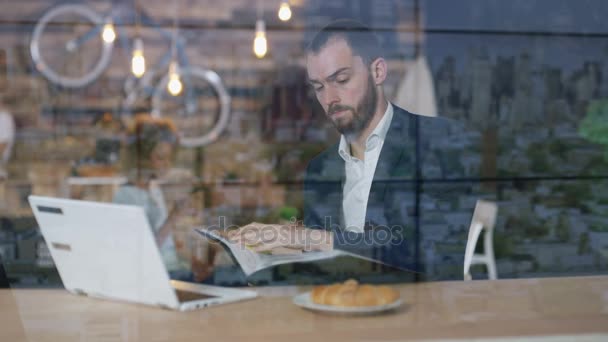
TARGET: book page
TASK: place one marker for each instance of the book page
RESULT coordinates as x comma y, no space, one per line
279,259
251,261
247,259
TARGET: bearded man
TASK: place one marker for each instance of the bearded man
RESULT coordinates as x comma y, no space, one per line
351,189
360,194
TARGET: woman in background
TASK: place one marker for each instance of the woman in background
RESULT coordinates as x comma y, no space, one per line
151,147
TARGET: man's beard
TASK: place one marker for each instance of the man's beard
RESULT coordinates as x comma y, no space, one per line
361,117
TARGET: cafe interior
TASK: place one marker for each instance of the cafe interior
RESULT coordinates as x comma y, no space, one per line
495,182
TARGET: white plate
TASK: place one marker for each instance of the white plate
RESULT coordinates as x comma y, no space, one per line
303,300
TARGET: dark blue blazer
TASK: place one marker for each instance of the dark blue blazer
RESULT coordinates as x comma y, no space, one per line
390,235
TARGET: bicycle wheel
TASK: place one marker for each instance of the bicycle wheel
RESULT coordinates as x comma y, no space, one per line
201,112
67,47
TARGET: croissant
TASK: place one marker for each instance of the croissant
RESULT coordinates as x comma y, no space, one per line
352,294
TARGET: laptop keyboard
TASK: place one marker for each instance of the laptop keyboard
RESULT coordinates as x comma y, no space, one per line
188,296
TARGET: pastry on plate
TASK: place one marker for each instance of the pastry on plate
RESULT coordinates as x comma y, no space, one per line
352,294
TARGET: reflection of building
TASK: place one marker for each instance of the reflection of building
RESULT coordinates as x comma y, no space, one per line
553,83
557,110
503,80
585,82
526,107
447,87
481,86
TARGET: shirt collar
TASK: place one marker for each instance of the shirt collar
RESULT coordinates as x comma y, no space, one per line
378,135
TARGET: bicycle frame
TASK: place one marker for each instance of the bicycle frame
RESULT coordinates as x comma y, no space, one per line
145,86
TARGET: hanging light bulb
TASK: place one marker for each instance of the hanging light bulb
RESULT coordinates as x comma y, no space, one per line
284,11
108,34
260,46
138,62
175,84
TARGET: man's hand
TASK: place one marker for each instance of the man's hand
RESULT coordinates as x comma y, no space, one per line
281,238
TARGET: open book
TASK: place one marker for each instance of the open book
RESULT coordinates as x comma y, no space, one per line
251,261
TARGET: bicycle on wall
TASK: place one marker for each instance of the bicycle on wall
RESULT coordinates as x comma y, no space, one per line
72,45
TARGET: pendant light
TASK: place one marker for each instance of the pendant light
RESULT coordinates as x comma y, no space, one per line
174,86
138,61
284,11
260,44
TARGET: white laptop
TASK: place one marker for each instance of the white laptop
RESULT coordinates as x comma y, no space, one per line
109,251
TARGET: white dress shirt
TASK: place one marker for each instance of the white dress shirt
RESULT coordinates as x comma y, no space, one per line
360,173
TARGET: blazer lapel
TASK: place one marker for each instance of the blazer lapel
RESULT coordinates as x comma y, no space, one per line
334,174
396,161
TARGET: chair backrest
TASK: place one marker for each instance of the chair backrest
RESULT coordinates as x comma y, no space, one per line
484,218
485,213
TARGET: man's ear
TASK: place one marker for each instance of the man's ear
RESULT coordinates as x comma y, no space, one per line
379,70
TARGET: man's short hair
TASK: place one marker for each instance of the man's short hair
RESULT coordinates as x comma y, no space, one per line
361,39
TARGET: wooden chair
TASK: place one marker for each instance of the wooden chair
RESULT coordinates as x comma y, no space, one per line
484,218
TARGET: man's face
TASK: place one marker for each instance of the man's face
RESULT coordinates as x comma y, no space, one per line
343,86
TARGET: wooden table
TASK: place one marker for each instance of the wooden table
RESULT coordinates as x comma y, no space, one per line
522,307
